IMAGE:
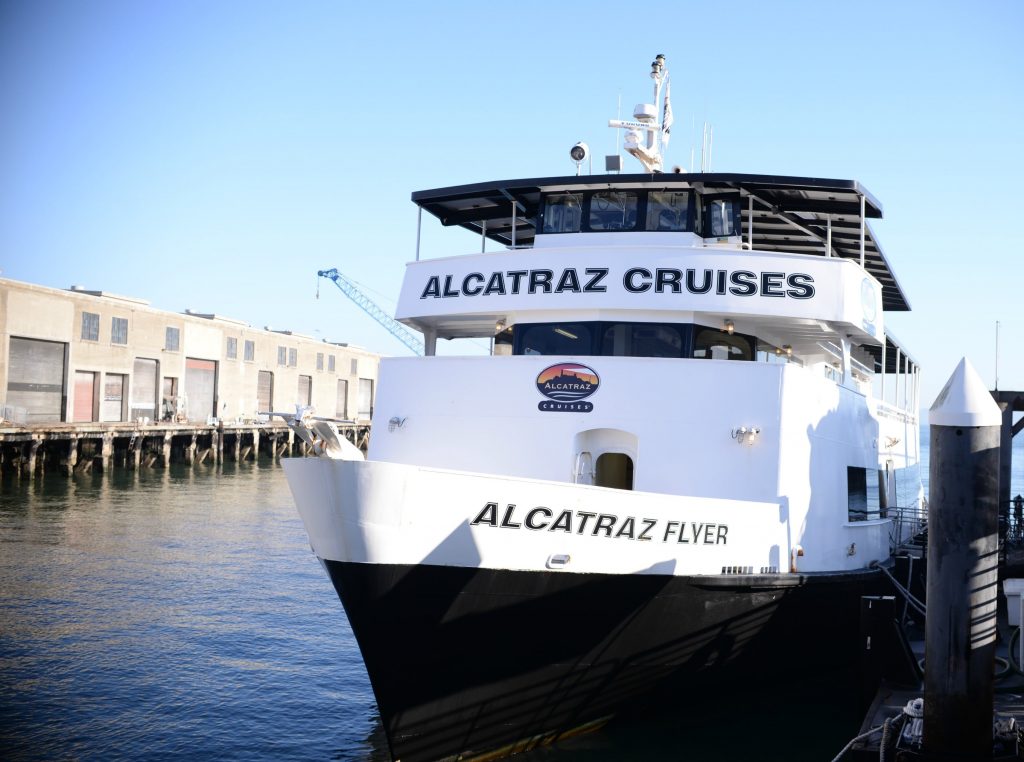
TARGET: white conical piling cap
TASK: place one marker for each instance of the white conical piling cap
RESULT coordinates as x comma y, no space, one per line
965,401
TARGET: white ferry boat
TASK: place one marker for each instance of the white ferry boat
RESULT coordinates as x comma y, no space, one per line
674,470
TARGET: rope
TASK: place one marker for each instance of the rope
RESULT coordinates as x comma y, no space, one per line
916,604
1012,653
861,737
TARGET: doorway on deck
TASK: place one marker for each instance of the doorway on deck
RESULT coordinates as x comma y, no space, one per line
605,458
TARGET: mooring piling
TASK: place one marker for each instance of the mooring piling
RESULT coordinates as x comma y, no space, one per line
963,546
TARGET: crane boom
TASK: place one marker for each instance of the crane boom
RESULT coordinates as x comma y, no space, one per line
396,329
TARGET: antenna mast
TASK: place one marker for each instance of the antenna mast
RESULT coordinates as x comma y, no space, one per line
645,135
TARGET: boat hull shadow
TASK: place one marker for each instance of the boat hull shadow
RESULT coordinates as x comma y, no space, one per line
468,661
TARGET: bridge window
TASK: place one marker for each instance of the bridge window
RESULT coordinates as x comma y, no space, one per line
721,216
643,340
554,339
612,210
669,211
563,213
607,339
713,344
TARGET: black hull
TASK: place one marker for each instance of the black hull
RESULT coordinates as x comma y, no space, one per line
468,661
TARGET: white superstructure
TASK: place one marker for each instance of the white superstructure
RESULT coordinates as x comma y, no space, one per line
692,417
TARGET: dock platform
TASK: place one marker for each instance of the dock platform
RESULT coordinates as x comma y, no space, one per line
74,448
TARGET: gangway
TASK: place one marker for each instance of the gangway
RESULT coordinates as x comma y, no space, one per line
396,329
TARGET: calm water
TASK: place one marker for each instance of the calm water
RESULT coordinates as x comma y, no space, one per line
181,614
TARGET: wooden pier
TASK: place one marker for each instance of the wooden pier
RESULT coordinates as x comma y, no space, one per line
75,448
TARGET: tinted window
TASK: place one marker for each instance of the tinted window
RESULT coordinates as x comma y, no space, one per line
721,217
612,210
712,344
642,340
563,213
668,211
555,339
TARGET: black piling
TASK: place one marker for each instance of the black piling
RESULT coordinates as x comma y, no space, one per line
963,546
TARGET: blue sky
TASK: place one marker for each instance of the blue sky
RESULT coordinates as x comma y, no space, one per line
215,155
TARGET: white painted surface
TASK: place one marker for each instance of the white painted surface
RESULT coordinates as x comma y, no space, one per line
838,285
396,514
965,401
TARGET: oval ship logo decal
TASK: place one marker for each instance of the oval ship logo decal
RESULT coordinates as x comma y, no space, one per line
566,385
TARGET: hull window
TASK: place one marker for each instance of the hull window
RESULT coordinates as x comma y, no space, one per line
615,470
862,489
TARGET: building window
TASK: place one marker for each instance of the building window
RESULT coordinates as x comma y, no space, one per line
232,348
341,403
355,367
90,326
330,363
365,401
250,351
282,355
305,390
172,339
319,360
119,330
293,358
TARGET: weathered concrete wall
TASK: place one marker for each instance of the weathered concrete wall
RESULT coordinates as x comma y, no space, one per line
36,312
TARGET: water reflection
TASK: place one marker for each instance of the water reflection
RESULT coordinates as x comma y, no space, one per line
170,611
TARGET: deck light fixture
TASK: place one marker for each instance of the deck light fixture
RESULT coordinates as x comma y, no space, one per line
499,326
729,327
579,153
745,435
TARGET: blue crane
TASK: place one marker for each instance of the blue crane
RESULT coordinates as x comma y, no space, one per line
396,329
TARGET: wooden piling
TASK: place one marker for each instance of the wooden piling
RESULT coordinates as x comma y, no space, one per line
106,451
963,546
30,460
72,459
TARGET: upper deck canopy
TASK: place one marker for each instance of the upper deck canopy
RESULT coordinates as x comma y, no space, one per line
790,214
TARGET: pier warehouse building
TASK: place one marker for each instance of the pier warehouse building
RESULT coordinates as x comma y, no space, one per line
81,356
